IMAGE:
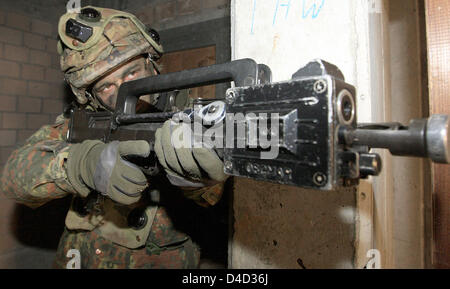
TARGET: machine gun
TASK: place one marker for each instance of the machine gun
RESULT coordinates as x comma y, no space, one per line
318,141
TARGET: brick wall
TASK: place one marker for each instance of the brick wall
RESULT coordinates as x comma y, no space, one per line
31,84
31,95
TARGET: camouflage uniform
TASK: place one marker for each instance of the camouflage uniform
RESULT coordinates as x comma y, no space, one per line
36,173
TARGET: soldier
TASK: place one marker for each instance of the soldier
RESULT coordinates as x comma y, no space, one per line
118,218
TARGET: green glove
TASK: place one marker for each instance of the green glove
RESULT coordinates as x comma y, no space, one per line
187,166
94,165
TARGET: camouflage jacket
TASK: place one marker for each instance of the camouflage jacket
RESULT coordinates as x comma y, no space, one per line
36,174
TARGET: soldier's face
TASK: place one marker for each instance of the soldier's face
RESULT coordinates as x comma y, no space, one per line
107,88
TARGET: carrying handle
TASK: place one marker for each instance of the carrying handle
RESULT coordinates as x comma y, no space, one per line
244,72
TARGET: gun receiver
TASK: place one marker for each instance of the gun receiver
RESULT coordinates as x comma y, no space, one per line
309,121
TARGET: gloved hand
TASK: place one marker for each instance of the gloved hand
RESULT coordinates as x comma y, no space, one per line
187,166
94,165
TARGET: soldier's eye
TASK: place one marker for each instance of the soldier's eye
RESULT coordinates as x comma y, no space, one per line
131,75
107,88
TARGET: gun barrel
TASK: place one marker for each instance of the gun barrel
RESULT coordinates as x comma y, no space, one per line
422,138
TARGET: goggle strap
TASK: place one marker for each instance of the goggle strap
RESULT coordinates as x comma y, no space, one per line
94,101
155,65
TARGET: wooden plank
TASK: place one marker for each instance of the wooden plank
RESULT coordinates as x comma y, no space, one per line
188,59
438,41
364,224
383,185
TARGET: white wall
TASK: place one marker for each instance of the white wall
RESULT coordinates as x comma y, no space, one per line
277,225
288,37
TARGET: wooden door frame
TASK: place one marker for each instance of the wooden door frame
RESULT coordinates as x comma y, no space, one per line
209,33
438,41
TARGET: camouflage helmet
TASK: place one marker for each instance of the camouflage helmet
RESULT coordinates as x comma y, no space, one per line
96,40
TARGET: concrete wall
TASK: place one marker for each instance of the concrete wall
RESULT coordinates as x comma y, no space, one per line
284,227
